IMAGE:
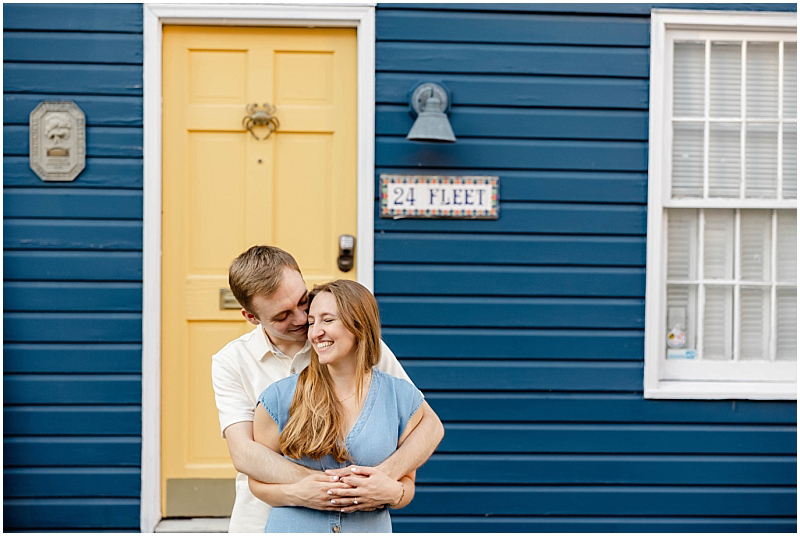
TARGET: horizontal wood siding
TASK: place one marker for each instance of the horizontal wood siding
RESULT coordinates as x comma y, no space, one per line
526,333
72,291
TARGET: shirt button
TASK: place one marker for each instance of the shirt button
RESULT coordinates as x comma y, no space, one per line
336,528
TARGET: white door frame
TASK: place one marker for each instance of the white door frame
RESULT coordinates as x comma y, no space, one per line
360,16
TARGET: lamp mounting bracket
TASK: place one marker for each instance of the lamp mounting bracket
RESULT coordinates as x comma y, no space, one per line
424,92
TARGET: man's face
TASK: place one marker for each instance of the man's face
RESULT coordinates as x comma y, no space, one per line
284,314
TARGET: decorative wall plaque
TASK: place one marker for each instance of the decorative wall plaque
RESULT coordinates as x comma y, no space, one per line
427,196
58,140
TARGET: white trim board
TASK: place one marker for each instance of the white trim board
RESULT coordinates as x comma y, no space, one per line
359,16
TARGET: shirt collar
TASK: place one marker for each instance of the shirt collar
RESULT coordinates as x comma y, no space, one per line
269,348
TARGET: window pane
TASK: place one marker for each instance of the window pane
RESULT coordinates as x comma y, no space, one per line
687,160
681,233
787,246
681,314
755,233
790,160
726,79
790,80
689,80
787,324
724,160
761,161
754,327
762,80
718,323
718,244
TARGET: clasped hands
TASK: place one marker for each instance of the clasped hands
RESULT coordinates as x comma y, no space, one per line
349,489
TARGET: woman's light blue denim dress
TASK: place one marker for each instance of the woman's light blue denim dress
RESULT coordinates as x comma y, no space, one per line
389,405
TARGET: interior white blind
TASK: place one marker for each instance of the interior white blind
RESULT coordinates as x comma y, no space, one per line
734,132
726,79
689,76
718,250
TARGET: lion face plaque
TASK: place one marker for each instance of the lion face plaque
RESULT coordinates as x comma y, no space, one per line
58,140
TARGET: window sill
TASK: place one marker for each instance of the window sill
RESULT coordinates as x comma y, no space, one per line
722,390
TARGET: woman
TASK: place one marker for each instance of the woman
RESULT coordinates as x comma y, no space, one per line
340,410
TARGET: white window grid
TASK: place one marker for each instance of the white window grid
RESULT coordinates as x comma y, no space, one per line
711,379
707,38
736,368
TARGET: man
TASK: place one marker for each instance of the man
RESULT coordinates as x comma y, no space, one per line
268,285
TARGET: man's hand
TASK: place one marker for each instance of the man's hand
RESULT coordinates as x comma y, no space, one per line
316,491
368,488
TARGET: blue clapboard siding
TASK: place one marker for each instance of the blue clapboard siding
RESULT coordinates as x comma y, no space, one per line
537,218
595,469
508,249
26,265
73,204
513,312
511,280
73,327
472,524
88,79
99,173
526,333
519,123
72,296
53,514
73,274
612,62
516,90
605,407
44,358
481,343
71,420
68,17
416,26
100,110
599,500
599,8
29,234
59,451
124,142
72,389
74,481
65,47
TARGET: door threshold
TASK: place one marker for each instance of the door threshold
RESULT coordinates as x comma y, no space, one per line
194,524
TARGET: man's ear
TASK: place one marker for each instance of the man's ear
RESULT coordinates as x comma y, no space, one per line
250,317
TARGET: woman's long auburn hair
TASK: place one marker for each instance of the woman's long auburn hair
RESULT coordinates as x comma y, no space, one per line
316,417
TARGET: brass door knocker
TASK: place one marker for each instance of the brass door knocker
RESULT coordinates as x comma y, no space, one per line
260,117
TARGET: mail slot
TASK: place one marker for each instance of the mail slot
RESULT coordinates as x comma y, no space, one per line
226,299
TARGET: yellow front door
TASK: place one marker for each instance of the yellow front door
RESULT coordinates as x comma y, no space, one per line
224,191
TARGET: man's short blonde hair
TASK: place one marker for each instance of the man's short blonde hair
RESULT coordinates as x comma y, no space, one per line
259,270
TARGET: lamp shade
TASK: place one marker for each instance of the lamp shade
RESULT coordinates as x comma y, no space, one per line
430,101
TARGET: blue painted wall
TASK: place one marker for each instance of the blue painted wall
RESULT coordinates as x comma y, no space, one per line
73,274
526,333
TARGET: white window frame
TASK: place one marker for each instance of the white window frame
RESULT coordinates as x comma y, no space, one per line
655,383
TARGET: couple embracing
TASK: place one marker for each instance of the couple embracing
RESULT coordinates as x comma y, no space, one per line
321,420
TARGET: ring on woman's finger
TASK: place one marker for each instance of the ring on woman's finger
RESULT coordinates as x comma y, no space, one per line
355,501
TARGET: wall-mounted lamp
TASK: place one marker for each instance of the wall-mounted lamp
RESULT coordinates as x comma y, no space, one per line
429,103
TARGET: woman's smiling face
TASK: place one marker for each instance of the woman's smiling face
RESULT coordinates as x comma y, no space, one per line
327,333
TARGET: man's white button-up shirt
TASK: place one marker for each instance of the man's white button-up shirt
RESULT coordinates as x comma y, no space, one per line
240,372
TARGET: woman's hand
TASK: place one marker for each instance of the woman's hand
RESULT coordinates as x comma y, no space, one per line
370,489
314,491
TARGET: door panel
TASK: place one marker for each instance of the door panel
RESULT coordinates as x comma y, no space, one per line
224,191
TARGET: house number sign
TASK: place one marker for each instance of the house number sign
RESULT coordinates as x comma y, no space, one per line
425,196
58,140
